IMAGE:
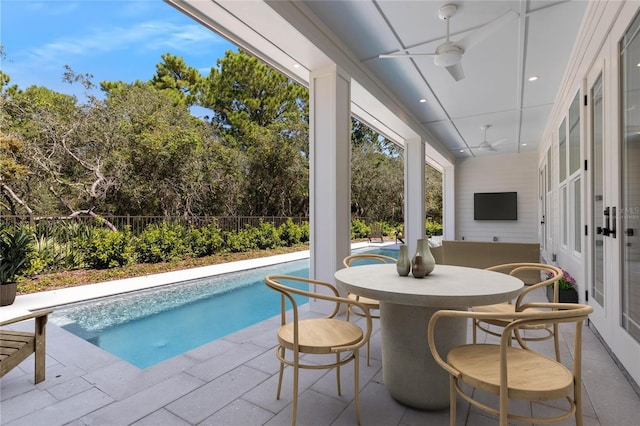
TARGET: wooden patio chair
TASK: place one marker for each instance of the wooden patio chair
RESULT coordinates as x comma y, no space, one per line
510,372
317,336
16,346
376,232
535,332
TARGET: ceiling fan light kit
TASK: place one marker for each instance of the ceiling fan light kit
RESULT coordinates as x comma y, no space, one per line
447,54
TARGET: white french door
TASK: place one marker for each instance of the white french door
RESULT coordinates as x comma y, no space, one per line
612,88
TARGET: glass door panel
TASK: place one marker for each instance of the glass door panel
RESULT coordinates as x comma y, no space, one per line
597,285
630,182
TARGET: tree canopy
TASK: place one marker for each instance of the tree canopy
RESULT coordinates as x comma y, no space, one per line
138,149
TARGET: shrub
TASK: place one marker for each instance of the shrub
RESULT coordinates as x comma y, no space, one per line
433,228
267,236
16,246
161,243
388,229
304,238
359,229
206,241
264,236
109,249
290,233
238,242
51,255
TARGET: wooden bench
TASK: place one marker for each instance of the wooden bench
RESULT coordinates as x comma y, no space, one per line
16,346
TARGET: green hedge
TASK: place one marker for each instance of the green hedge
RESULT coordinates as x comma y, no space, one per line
94,246
109,249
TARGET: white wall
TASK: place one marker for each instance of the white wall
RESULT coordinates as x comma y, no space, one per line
498,173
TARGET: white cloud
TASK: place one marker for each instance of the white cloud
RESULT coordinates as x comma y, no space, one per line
145,36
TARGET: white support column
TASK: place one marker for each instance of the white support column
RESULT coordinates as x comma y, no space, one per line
449,203
414,210
330,172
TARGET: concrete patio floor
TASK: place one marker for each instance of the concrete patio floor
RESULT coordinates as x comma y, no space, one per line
232,381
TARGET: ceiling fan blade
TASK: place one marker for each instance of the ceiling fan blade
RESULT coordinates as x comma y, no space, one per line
404,55
456,71
498,142
475,37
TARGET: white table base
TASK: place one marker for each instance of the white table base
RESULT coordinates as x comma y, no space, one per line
412,376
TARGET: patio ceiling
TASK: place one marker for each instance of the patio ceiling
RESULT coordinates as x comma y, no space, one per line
535,39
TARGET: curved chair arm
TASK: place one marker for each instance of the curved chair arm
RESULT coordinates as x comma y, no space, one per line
516,268
368,256
556,313
570,312
272,282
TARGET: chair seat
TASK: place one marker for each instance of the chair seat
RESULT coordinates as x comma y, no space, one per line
320,335
369,303
505,308
531,376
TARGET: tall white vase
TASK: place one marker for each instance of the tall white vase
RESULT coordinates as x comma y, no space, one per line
403,265
424,252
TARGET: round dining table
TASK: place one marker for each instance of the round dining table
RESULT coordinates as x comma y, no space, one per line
406,304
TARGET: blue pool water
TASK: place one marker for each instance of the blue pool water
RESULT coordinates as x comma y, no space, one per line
147,327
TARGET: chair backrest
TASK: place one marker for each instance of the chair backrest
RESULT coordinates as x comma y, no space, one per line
547,275
287,293
353,259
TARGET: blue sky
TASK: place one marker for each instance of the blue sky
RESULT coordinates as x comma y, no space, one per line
113,40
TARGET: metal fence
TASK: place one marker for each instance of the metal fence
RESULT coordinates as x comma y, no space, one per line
137,224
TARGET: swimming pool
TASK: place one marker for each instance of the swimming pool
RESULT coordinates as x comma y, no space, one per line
150,326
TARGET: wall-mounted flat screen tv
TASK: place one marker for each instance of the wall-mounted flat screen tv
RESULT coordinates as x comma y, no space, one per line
495,206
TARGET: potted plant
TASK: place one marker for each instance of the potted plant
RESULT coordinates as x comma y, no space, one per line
15,248
567,292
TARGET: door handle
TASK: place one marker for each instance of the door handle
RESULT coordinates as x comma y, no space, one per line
606,231
613,226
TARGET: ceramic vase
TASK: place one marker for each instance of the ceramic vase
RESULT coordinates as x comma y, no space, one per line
418,268
403,265
424,252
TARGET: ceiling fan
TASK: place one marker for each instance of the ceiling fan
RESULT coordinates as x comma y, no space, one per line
448,55
484,145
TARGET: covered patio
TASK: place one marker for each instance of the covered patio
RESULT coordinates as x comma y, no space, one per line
232,381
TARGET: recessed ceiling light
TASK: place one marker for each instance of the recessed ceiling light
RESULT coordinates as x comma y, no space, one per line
524,144
296,65
462,150
423,100
533,78
638,64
